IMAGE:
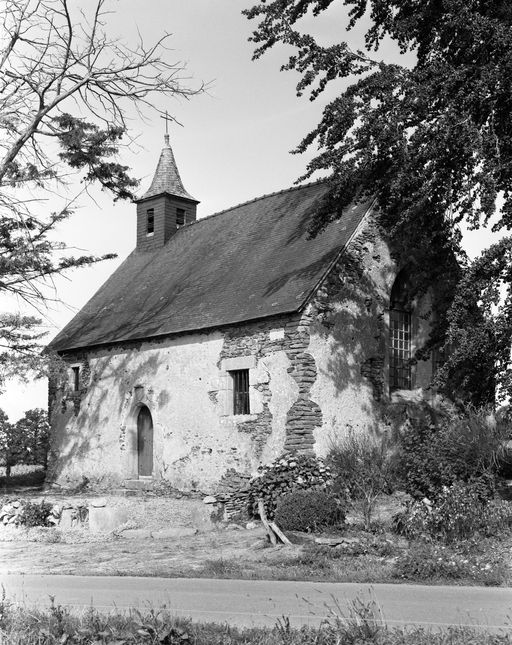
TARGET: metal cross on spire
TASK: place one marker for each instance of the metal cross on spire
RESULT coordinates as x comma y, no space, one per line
167,118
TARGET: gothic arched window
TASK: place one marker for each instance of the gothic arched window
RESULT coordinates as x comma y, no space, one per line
400,335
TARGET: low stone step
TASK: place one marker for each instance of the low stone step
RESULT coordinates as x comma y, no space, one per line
127,492
138,484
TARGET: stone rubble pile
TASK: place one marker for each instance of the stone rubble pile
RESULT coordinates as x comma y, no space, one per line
10,513
232,495
64,516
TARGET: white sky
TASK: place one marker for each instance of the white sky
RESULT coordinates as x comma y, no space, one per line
234,145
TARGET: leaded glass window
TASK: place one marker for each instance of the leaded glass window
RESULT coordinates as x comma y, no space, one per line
400,350
400,335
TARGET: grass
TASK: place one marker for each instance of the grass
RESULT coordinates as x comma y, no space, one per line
361,625
376,556
22,476
314,563
483,563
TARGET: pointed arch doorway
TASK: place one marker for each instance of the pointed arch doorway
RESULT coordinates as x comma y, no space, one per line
145,442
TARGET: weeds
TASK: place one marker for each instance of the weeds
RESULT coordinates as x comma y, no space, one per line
361,624
221,568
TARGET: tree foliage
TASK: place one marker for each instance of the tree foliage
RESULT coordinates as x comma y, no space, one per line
432,141
65,89
34,430
24,442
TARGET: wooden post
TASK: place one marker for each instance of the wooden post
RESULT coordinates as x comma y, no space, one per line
263,517
279,533
274,533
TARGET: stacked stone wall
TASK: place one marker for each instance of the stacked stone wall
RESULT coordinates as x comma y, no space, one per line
304,415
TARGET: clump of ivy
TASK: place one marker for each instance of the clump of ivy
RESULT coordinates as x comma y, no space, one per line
282,476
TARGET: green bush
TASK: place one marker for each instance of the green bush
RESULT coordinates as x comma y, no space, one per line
360,467
308,510
288,473
33,514
463,447
458,513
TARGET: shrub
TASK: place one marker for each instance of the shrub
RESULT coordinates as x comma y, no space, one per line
361,470
308,510
466,447
284,475
458,513
33,514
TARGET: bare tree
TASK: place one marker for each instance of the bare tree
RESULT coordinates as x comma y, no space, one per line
66,88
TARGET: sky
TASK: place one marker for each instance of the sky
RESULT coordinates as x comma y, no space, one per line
233,145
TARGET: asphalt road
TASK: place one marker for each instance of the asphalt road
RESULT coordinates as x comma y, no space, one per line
255,602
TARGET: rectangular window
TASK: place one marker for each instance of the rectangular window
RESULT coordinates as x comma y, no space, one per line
400,350
150,221
76,378
180,216
240,391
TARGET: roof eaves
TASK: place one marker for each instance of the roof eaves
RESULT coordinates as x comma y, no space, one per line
180,332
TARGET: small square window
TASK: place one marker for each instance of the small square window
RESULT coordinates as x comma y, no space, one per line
150,221
180,216
76,378
240,391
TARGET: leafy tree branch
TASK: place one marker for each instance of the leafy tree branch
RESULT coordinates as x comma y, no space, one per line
66,87
431,141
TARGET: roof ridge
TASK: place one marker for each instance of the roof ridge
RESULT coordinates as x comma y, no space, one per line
255,199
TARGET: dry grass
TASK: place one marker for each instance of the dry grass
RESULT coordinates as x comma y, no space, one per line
243,554
362,624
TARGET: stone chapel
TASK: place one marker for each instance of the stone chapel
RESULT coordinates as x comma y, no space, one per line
222,342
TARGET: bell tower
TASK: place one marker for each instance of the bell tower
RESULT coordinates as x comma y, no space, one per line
165,206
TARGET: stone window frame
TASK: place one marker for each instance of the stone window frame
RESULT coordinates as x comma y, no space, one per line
415,307
403,305
241,400
75,376
231,365
400,339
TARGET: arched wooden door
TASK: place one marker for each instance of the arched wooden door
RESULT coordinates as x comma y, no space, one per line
145,442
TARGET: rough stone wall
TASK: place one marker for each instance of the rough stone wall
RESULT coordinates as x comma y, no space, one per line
288,335
349,339
181,381
305,414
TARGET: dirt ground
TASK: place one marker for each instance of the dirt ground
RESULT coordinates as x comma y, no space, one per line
216,549
119,556
78,551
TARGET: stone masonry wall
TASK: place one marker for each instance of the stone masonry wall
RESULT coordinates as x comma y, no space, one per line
288,334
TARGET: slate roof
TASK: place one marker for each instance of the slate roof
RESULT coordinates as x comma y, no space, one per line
248,262
167,177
